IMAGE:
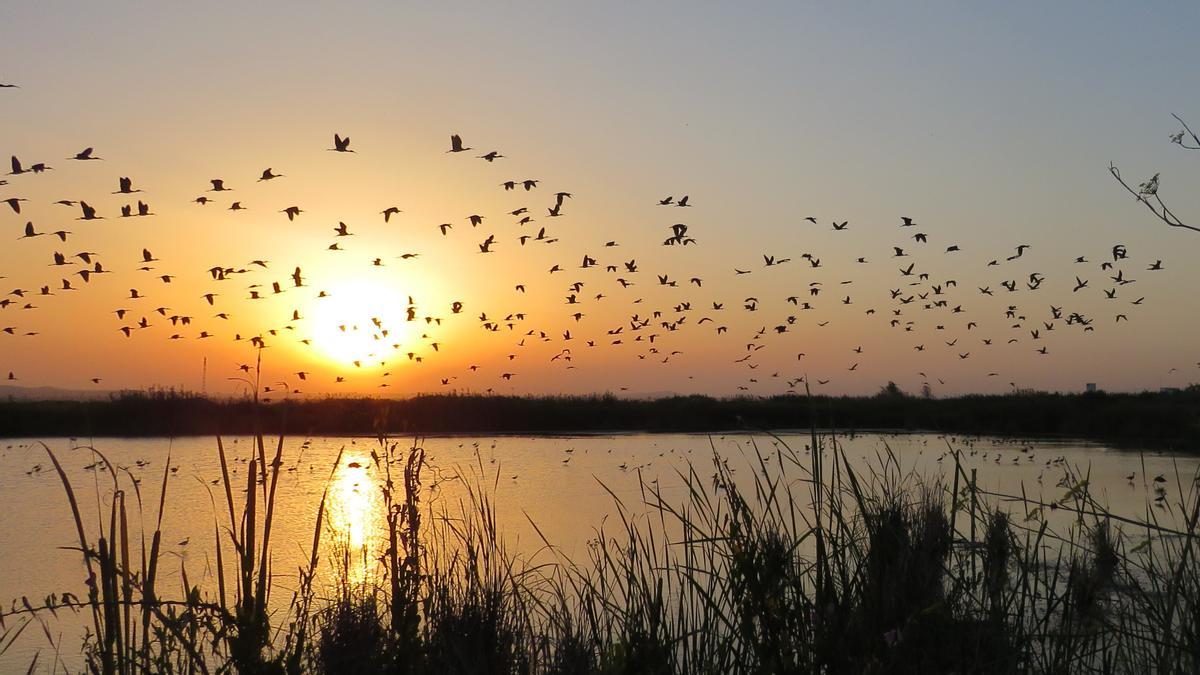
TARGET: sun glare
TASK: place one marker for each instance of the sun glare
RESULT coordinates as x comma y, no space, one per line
359,323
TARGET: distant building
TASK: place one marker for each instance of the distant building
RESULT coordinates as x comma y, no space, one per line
1090,387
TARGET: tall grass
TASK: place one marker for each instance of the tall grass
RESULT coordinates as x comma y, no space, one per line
807,565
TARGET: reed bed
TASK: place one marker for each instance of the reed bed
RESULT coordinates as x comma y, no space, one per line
807,565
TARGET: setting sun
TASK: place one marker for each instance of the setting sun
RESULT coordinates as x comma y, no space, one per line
359,323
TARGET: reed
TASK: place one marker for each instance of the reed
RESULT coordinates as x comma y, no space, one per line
805,565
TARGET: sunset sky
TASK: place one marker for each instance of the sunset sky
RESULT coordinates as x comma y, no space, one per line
990,126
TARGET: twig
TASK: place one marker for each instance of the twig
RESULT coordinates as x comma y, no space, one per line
1161,211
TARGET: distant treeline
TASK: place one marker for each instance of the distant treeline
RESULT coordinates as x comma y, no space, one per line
1151,418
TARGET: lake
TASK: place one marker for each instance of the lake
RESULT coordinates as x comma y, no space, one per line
566,485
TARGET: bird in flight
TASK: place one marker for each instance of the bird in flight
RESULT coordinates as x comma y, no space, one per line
647,331
89,213
1020,252
125,186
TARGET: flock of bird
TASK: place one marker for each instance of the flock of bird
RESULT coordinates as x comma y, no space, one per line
1021,307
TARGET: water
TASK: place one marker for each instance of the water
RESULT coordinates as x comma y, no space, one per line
557,482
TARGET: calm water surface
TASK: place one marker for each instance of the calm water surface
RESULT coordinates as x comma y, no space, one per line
558,482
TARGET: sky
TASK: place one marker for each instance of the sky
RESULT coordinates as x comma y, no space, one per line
990,125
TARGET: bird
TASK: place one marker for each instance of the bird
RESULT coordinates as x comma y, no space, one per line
89,213
1020,252
340,144
125,186
456,144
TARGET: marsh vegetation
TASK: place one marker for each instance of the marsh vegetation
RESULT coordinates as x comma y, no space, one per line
809,564
1157,418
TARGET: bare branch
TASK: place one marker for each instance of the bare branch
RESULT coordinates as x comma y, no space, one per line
1158,208
1178,138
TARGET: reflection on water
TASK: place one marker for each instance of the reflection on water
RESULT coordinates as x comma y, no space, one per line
355,514
566,485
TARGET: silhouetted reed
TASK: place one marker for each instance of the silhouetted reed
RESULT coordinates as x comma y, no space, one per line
807,565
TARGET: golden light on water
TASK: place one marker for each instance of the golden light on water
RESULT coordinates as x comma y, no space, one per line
354,512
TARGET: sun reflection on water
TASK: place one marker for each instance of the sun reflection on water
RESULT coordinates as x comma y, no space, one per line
354,515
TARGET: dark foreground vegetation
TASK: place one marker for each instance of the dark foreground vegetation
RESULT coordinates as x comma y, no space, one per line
774,572
1157,418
